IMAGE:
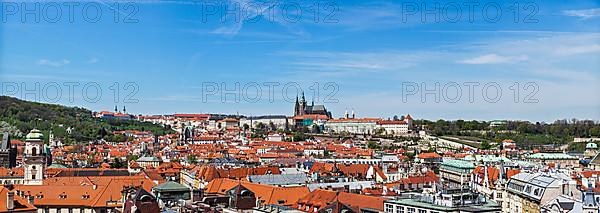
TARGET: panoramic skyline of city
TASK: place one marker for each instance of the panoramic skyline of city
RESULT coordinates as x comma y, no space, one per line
299,106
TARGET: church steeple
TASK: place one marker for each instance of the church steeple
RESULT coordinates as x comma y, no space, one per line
303,100
302,106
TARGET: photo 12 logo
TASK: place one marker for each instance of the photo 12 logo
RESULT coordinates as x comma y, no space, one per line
54,92
454,92
272,11
69,12
253,92
470,11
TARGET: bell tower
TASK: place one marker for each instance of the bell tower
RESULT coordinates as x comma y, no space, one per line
34,160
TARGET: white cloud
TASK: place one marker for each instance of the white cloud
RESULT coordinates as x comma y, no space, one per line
248,10
343,63
494,59
573,50
93,60
59,63
584,14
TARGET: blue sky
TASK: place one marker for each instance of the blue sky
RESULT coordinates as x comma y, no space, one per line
366,56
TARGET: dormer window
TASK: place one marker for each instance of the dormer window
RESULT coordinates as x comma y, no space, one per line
85,196
62,196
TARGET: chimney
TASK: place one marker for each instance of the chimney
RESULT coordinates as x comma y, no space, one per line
353,115
10,200
30,199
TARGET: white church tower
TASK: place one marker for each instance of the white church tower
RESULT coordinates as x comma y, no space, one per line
34,160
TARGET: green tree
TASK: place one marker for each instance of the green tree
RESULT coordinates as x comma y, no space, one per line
192,159
373,145
485,145
117,163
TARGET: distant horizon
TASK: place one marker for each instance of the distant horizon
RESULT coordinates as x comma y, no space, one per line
120,107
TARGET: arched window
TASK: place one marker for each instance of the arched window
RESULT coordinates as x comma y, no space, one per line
34,151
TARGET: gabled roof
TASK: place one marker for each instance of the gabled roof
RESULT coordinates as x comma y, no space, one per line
320,198
269,194
428,155
20,204
83,191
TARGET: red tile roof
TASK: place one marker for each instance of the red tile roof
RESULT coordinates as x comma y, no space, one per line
267,193
320,198
428,155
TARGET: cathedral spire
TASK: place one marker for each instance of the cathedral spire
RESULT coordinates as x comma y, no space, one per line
296,112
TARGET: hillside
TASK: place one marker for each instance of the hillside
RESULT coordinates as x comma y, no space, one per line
19,116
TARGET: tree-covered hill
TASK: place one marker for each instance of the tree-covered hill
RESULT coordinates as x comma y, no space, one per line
19,116
526,134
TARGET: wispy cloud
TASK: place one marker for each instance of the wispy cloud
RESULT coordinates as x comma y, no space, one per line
370,16
584,13
343,63
248,10
560,58
494,59
581,49
51,63
93,60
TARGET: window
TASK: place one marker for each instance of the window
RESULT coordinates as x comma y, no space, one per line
422,211
411,210
399,209
528,189
389,208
